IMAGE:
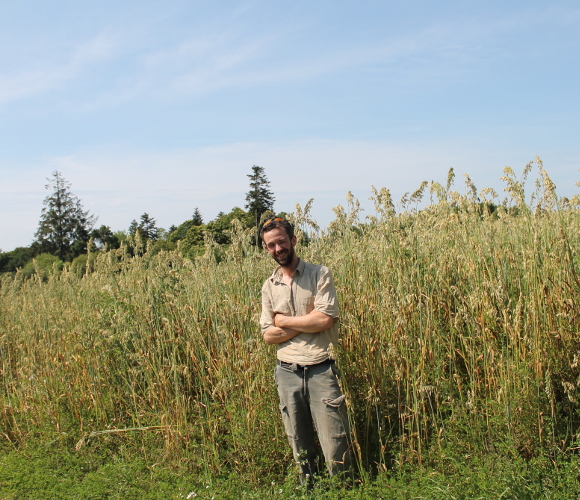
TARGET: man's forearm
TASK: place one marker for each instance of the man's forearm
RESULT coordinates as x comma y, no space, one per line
313,322
277,335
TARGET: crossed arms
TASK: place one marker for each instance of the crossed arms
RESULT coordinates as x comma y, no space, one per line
287,327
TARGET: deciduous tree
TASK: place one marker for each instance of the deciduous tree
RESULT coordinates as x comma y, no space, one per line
17,258
104,236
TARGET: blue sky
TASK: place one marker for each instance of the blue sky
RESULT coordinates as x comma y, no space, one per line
161,107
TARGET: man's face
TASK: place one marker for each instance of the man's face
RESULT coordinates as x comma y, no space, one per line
280,246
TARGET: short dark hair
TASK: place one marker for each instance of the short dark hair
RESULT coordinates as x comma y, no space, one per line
277,223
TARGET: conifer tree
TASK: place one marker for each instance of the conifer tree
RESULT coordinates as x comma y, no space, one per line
197,218
147,227
259,198
64,226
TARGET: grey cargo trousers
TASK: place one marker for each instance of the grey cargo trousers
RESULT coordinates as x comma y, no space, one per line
311,399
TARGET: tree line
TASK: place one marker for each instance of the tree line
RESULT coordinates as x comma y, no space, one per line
66,231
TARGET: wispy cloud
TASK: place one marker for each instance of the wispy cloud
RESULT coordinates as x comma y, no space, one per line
233,56
228,59
46,72
150,76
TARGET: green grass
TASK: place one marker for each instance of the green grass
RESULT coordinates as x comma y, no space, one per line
70,475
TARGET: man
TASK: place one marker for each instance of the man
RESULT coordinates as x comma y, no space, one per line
299,316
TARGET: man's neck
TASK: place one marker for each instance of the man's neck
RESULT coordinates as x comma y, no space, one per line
288,271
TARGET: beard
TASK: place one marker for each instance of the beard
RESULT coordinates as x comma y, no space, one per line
285,257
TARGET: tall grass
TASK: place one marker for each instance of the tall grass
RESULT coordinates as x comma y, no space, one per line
459,331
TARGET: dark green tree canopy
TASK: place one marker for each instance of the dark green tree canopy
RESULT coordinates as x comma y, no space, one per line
104,236
192,233
197,218
147,227
17,258
64,226
222,224
259,198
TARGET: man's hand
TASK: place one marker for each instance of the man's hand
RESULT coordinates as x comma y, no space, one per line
279,320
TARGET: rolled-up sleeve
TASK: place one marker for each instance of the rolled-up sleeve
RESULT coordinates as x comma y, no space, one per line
267,316
325,300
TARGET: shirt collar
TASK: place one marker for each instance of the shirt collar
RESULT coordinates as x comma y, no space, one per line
277,274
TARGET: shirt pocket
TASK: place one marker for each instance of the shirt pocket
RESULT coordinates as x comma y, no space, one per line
282,306
304,305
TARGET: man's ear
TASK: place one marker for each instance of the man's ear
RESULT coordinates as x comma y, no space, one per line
293,240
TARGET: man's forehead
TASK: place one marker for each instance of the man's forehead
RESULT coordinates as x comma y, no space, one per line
275,234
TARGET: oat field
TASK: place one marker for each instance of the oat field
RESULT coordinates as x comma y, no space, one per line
460,331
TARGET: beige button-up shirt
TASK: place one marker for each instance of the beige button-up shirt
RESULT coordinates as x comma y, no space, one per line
312,288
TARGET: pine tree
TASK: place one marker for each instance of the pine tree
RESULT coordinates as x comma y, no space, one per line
63,229
147,227
259,197
133,227
197,218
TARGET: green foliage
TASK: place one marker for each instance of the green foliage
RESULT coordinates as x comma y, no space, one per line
104,237
259,198
15,259
79,265
180,232
146,228
63,229
57,473
221,226
194,238
192,235
197,218
43,265
82,264
162,245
